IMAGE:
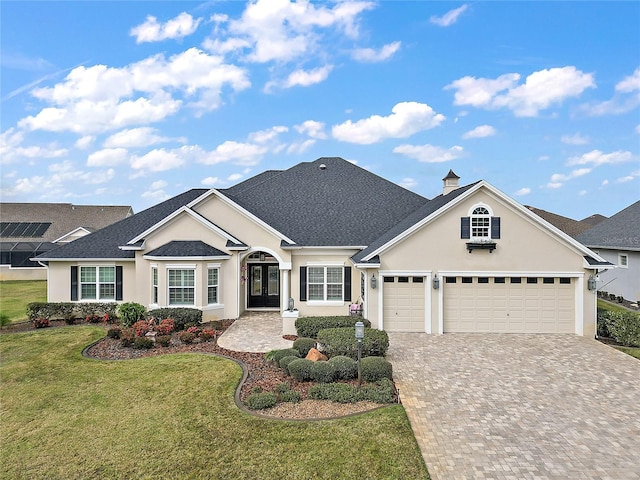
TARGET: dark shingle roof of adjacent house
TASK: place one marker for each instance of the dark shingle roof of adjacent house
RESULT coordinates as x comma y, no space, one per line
571,227
339,204
105,242
621,231
182,248
62,217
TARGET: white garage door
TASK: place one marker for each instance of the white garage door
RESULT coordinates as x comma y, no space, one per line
509,304
403,306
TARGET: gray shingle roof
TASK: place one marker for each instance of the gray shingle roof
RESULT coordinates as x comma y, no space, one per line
339,205
621,231
571,227
105,242
64,217
182,248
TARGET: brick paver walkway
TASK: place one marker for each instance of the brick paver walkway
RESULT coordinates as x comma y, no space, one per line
520,406
257,331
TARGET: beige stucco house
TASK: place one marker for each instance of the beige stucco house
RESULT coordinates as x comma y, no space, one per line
327,234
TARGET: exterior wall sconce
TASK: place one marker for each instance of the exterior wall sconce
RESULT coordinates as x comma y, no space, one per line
291,304
436,282
591,283
374,281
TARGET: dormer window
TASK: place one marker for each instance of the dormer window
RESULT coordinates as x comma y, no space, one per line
481,228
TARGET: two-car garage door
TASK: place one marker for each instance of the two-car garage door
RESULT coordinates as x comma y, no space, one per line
509,304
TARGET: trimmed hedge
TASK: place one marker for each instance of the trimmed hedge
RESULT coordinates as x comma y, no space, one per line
375,369
183,317
380,392
310,326
341,341
624,327
260,401
276,355
323,372
300,369
69,311
285,361
304,344
346,368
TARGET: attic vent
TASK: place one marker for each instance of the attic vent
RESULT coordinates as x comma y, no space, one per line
323,166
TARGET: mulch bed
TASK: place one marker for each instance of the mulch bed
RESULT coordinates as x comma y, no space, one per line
261,373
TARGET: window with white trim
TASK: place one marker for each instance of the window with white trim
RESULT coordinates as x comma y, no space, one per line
623,260
480,223
97,283
213,275
325,283
154,283
182,286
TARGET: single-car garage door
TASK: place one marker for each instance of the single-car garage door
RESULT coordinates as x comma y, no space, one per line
404,306
509,304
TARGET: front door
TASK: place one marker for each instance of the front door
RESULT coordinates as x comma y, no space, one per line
264,285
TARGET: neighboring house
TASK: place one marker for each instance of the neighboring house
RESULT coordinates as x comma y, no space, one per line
569,226
328,233
617,240
30,229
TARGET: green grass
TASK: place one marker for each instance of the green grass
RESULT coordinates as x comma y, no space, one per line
634,352
172,416
611,307
15,295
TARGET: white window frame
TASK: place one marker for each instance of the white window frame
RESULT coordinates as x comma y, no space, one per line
186,268
155,291
211,285
480,223
623,263
97,283
325,285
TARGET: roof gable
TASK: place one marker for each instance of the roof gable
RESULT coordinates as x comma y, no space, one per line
621,231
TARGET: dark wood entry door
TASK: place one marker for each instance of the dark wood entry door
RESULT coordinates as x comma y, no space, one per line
264,285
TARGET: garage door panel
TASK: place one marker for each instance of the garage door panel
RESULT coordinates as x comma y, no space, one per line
404,304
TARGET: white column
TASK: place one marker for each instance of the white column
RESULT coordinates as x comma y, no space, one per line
285,290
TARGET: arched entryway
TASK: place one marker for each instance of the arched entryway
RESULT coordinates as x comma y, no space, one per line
262,272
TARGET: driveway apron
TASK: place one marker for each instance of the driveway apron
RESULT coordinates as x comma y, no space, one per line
255,331
509,406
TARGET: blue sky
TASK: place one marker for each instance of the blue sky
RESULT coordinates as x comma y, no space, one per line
134,102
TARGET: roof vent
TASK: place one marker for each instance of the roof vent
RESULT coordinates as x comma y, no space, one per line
323,166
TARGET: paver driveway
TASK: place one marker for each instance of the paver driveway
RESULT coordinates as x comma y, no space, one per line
520,406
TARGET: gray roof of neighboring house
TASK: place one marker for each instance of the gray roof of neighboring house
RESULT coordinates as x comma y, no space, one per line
571,227
621,231
105,242
64,218
338,205
188,248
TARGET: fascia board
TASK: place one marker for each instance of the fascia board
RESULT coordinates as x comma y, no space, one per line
74,259
178,259
70,233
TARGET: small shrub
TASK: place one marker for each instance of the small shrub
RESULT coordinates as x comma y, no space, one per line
207,335
380,392
127,335
141,327
304,344
282,387
346,368
183,317
163,340
130,313
603,323
114,332
256,389
276,355
93,318
620,299
300,369
310,326
4,320
186,337
612,296
166,326
341,341
336,392
195,330
285,361
323,372
375,369
290,396
260,401
625,327
141,343
41,322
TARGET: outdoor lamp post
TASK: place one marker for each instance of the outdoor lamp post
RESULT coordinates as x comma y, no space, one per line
359,337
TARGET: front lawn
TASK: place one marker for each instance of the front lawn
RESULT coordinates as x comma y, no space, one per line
15,295
172,416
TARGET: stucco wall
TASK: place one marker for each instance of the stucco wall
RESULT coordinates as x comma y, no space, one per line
621,281
59,284
28,273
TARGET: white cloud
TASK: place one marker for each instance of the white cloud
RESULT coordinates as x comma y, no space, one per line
544,158
560,177
638,129
300,147
136,137
302,78
576,139
540,90
158,184
554,185
630,83
626,179
582,193
605,182
371,55
234,177
155,195
107,157
211,181
596,158
480,132
264,136
11,149
239,153
159,160
523,191
84,142
430,153
406,119
408,182
312,128
152,31
448,18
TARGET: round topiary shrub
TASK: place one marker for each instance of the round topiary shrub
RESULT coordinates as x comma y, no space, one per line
141,343
126,337
277,355
114,332
303,345
260,401
163,340
323,372
376,368
346,368
300,369
285,361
